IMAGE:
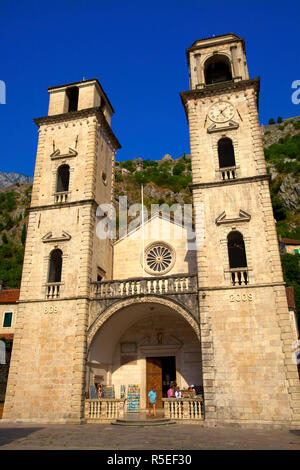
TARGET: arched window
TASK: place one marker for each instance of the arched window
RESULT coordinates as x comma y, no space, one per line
236,250
63,176
226,153
55,266
217,69
72,94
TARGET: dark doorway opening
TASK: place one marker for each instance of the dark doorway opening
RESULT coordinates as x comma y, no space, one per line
160,371
168,373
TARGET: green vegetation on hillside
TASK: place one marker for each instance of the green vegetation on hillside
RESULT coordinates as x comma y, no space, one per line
285,155
285,158
291,274
14,205
11,256
175,176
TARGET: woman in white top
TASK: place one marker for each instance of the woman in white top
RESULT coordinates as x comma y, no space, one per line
177,393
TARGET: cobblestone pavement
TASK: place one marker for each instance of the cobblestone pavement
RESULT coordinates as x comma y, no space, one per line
108,437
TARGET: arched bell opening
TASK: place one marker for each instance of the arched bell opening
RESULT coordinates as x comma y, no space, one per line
217,69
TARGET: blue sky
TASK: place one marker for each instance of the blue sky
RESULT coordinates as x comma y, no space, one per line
137,51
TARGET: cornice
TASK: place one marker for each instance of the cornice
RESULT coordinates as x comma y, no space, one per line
216,88
82,113
195,46
249,179
64,205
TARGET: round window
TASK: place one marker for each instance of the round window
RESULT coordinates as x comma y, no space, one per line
159,258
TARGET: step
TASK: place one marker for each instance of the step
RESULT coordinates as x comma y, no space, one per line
143,422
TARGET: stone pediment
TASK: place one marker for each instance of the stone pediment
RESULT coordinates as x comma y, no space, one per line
243,217
223,127
56,154
50,238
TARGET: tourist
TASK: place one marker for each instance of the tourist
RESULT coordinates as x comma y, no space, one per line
170,392
152,401
178,393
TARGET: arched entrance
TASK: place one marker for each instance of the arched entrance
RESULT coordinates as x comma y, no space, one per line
150,341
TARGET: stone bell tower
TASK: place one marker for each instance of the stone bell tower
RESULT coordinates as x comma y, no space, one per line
74,173
246,333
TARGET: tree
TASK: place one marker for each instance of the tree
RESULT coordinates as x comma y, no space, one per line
279,120
23,235
271,121
291,274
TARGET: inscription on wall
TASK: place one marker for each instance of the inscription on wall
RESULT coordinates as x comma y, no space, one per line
50,309
241,297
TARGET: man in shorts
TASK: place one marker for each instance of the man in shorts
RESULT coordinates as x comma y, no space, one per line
152,401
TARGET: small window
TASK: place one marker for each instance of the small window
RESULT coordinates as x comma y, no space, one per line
55,266
72,94
100,274
7,320
63,177
226,153
236,250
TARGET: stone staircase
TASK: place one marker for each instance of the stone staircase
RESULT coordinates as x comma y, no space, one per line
143,419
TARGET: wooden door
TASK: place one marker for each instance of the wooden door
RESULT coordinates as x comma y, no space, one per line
154,378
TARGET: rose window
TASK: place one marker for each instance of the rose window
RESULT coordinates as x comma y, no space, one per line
159,258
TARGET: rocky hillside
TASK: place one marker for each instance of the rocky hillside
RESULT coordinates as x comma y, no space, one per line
282,152
7,179
14,204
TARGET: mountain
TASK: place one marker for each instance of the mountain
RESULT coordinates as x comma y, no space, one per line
7,179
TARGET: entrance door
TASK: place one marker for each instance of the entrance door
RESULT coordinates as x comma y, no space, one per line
154,378
160,372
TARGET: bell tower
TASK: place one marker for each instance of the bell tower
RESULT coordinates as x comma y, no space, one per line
74,173
247,334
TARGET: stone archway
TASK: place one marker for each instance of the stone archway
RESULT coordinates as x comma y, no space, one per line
117,306
157,327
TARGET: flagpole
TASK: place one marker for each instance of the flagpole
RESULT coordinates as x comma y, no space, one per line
143,237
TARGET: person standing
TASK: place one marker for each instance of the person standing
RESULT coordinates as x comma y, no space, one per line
152,401
170,392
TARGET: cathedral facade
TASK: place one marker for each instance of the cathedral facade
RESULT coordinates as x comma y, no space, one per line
153,311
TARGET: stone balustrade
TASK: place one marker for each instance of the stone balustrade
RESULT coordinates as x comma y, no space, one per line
189,409
53,290
228,173
62,196
239,276
104,410
169,285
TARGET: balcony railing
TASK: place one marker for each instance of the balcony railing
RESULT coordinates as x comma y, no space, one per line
228,173
104,410
53,290
189,409
61,196
177,284
239,276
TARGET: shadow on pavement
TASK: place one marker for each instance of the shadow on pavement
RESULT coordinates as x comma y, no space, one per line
8,435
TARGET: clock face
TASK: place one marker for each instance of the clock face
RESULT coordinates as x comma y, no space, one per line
221,111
